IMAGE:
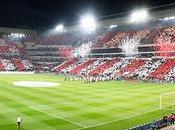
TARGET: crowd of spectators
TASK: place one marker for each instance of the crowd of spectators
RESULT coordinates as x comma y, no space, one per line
155,70
13,56
15,65
153,41
157,41
165,40
167,120
13,50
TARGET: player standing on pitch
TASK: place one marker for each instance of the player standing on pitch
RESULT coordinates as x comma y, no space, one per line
19,123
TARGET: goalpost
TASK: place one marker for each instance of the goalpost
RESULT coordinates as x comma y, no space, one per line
167,100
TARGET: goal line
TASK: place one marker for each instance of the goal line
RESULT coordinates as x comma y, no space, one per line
167,100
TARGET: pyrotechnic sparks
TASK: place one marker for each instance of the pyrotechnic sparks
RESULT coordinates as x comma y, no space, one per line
129,46
83,50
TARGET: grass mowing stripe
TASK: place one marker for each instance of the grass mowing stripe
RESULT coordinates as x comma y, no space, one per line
87,104
12,113
129,117
59,117
128,122
34,117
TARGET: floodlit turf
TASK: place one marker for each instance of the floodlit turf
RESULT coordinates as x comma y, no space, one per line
110,105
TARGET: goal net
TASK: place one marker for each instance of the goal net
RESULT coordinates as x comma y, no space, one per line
167,101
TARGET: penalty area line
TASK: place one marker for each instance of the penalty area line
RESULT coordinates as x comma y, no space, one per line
108,122
59,117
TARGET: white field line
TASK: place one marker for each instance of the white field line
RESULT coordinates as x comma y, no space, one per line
59,117
105,123
100,124
161,96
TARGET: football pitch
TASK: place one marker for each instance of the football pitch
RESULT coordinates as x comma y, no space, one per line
73,105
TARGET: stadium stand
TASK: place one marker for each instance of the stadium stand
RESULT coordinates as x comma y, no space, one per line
117,57
80,67
65,65
13,56
163,69
102,67
144,52
131,67
141,69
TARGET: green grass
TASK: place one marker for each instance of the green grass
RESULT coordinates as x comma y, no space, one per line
113,105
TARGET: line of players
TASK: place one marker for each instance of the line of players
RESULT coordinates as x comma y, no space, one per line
86,79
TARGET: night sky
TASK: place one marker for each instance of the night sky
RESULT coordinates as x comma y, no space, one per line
36,14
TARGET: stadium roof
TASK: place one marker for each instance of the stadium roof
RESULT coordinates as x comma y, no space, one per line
37,14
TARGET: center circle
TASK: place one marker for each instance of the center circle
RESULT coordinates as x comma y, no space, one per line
34,84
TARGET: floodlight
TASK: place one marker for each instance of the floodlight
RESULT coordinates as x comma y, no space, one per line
59,28
17,35
169,18
20,35
88,23
113,26
140,15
